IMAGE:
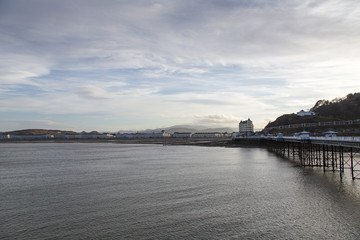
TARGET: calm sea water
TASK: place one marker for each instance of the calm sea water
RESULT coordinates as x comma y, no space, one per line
115,191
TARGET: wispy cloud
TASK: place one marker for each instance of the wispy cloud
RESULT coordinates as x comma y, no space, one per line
92,92
217,120
34,123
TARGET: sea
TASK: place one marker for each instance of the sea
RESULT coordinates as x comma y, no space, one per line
125,191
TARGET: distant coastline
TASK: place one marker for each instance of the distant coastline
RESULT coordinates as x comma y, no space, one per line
216,142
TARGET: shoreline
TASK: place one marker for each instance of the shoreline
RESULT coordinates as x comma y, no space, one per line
214,142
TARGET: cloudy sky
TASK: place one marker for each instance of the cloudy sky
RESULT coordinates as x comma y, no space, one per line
109,64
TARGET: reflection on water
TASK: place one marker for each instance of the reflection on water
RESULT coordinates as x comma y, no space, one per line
102,190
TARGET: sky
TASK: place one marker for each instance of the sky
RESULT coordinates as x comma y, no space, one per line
107,65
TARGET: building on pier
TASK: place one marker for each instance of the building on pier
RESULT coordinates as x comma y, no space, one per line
330,134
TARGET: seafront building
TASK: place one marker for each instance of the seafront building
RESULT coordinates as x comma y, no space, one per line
182,135
208,135
30,137
246,127
5,136
138,135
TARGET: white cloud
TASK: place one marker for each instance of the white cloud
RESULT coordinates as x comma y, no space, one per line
21,69
217,120
46,122
92,92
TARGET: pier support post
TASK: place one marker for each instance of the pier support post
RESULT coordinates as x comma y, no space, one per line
324,157
341,161
332,159
352,163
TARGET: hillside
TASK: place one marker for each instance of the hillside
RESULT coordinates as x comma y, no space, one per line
346,108
36,132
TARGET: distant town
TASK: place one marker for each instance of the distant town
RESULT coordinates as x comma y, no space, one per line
138,135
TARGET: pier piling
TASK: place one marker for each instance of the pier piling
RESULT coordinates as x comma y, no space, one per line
329,155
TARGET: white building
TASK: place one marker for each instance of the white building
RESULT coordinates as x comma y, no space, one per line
89,136
4,137
31,137
303,113
129,135
59,135
102,136
304,135
330,134
208,135
227,135
182,135
161,134
246,127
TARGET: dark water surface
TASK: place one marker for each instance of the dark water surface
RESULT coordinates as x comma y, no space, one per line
115,191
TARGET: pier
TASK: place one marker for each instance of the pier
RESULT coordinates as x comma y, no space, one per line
336,154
